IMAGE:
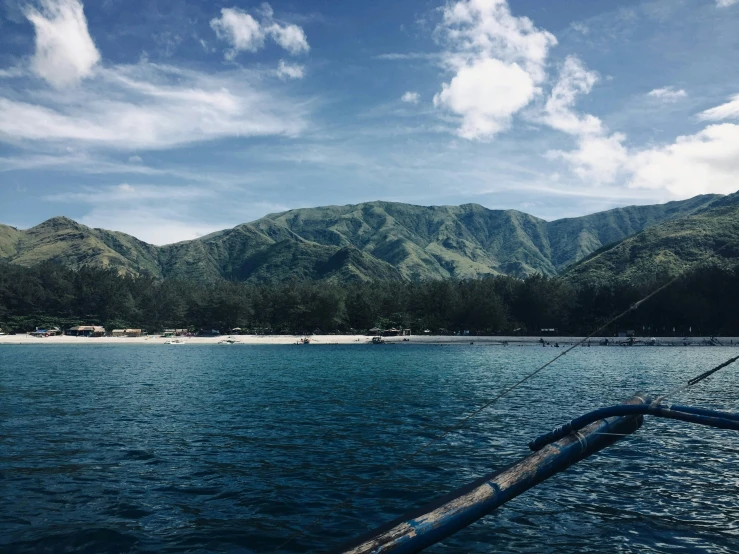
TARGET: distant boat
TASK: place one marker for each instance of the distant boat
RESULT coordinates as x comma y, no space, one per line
175,341
229,341
377,340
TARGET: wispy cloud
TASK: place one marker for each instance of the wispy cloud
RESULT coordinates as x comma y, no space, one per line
410,97
150,106
729,110
287,70
404,56
141,106
726,3
667,94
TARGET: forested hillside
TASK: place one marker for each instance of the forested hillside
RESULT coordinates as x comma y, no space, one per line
711,236
705,300
356,243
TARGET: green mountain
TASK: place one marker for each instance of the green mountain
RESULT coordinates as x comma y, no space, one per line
374,240
710,236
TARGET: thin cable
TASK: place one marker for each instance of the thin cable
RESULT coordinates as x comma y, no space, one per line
695,380
463,422
489,403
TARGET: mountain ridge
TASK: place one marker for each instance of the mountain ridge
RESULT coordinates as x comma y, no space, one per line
367,241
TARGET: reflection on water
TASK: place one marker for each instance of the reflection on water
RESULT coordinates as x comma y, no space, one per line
120,448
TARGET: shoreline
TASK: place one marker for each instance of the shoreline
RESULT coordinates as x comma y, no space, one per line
318,340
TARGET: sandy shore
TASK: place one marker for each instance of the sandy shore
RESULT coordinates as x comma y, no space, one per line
345,339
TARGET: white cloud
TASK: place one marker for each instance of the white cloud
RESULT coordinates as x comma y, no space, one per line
598,159
240,30
150,106
574,79
411,97
486,94
290,71
65,52
707,161
725,3
498,61
245,33
291,37
667,94
729,110
135,159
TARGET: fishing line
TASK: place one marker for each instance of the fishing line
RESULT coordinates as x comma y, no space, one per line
505,392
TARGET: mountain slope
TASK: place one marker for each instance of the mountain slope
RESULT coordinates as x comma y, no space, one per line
709,236
66,242
374,240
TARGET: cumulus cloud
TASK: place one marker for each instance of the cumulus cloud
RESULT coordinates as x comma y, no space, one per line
707,161
411,97
240,30
65,52
486,94
667,94
291,37
729,110
498,61
243,32
290,71
598,159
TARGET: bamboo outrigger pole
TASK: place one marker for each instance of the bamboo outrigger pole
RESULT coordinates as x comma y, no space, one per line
553,452
432,523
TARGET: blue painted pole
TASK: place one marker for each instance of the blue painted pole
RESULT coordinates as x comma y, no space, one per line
444,517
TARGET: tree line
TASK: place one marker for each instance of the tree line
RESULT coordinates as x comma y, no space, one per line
703,302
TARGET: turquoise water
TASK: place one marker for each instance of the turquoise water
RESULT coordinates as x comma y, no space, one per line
234,448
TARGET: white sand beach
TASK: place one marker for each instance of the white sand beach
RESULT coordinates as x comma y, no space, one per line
317,340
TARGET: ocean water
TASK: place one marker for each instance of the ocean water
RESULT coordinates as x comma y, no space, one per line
235,448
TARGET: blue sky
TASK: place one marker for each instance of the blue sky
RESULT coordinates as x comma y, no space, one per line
169,119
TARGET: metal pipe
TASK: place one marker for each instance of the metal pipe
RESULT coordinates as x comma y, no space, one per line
701,416
444,517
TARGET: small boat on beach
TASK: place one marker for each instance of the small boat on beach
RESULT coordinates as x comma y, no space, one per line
175,341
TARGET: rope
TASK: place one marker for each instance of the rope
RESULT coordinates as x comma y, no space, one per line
492,401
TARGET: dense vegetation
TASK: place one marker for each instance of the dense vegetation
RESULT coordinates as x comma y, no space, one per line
48,294
365,242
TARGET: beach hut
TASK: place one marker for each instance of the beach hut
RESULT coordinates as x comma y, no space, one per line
86,331
374,332
126,332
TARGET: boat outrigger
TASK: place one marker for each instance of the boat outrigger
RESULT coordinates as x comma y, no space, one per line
554,452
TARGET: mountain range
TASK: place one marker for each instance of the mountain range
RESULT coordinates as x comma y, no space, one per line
393,241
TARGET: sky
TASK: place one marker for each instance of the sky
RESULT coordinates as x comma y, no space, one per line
170,119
